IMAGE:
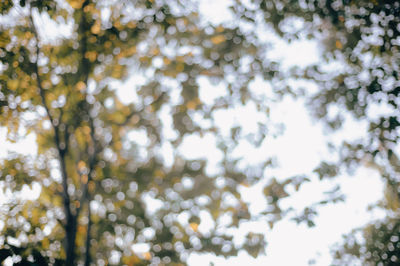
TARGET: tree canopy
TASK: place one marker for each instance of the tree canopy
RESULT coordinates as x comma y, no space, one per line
108,167
358,80
113,89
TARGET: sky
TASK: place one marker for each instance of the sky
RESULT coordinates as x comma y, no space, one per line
298,150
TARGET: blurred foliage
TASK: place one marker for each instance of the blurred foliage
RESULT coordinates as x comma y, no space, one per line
103,184
357,79
376,244
100,150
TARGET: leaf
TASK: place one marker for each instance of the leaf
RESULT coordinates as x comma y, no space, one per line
76,4
194,226
80,86
12,84
95,29
218,39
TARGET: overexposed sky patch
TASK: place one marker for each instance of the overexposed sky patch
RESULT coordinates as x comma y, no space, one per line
25,146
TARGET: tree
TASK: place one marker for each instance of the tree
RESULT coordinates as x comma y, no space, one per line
359,73
103,183
375,244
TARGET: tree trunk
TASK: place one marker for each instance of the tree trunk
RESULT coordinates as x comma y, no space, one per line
70,231
88,238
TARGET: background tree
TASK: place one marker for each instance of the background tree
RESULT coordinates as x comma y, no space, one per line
359,73
103,181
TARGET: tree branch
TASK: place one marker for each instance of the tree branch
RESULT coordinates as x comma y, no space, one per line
84,69
55,125
70,225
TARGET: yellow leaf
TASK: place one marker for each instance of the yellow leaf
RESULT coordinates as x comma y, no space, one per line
119,104
91,55
219,29
80,138
191,105
12,84
131,51
170,73
245,184
180,59
25,210
166,61
131,25
118,145
84,179
45,198
28,35
144,59
95,29
45,243
155,51
76,4
91,186
159,173
118,25
180,67
117,71
131,261
147,256
118,117
86,130
107,44
194,226
218,39
35,216
89,8
80,86
338,44
81,229
81,165
51,96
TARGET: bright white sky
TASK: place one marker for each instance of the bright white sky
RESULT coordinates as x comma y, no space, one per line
298,151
